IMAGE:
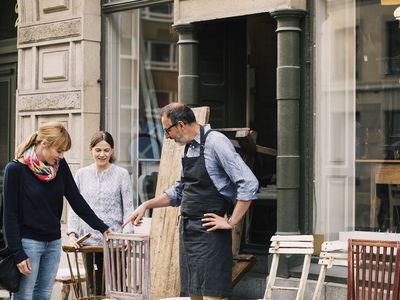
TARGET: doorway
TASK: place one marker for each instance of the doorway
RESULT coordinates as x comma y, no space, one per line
237,79
8,83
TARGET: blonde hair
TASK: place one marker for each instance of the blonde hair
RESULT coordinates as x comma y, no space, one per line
53,132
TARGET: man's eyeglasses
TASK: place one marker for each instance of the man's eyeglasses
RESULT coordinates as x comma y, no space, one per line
167,130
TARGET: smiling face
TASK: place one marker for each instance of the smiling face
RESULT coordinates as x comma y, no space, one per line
102,153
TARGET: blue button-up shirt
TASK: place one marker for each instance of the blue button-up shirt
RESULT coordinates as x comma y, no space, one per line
229,173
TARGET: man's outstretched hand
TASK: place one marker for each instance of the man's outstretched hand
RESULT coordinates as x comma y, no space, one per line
136,217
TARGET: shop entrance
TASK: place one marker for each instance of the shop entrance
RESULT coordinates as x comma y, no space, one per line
237,68
8,83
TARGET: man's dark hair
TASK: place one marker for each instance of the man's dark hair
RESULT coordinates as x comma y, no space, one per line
178,112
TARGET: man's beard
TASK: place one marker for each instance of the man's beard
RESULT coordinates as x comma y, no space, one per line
181,140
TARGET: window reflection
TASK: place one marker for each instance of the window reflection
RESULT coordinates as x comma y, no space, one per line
142,72
377,118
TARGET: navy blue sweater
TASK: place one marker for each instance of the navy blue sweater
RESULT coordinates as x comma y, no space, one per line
39,216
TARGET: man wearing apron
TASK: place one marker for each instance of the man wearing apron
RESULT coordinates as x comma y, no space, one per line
213,177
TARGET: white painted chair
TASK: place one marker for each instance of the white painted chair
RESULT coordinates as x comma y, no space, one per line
293,245
333,253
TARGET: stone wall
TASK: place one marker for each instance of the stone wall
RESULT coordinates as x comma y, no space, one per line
58,70
189,11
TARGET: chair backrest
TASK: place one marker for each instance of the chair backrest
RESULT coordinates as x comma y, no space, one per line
373,270
78,269
292,244
333,253
127,266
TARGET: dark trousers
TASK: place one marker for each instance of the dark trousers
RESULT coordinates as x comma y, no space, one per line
94,267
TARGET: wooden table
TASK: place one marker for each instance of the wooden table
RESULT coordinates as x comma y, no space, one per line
382,172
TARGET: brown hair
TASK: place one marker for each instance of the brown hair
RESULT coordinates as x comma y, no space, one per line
102,136
53,132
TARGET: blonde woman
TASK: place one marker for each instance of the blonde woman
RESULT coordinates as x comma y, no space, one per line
108,190
34,186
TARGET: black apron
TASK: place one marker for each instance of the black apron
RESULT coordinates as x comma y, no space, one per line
205,257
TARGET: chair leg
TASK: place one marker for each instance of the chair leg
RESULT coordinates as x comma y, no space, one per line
304,276
66,287
271,277
320,283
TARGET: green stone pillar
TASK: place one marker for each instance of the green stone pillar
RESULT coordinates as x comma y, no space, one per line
188,79
288,97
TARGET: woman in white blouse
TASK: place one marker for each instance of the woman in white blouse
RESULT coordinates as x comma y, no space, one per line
107,188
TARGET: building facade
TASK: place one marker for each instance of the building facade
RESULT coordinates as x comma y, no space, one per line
318,80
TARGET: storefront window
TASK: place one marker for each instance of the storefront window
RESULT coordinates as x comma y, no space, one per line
377,118
358,117
141,76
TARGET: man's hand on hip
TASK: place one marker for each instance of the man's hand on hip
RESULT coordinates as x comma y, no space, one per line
214,222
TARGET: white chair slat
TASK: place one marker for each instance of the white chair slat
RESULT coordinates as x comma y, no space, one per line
335,255
334,246
335,262
305,238
294,244
291,251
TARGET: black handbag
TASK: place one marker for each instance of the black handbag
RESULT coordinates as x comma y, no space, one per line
9,273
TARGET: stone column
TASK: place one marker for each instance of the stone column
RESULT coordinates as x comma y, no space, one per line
188,79
288,97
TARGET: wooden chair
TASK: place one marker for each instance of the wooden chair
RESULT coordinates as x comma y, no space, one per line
333,253
64,277
373,270
386,174
290,244
127,266
78,272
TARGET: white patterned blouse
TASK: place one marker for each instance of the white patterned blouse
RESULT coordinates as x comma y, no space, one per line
109,195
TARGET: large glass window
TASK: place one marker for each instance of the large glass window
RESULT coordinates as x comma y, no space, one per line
377,118
358,117
141,76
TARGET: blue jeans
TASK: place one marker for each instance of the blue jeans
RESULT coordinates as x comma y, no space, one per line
44,258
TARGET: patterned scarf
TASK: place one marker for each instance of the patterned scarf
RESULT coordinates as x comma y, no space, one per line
41,170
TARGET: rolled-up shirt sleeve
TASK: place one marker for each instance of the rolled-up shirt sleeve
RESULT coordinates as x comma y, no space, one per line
174,193
239,173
